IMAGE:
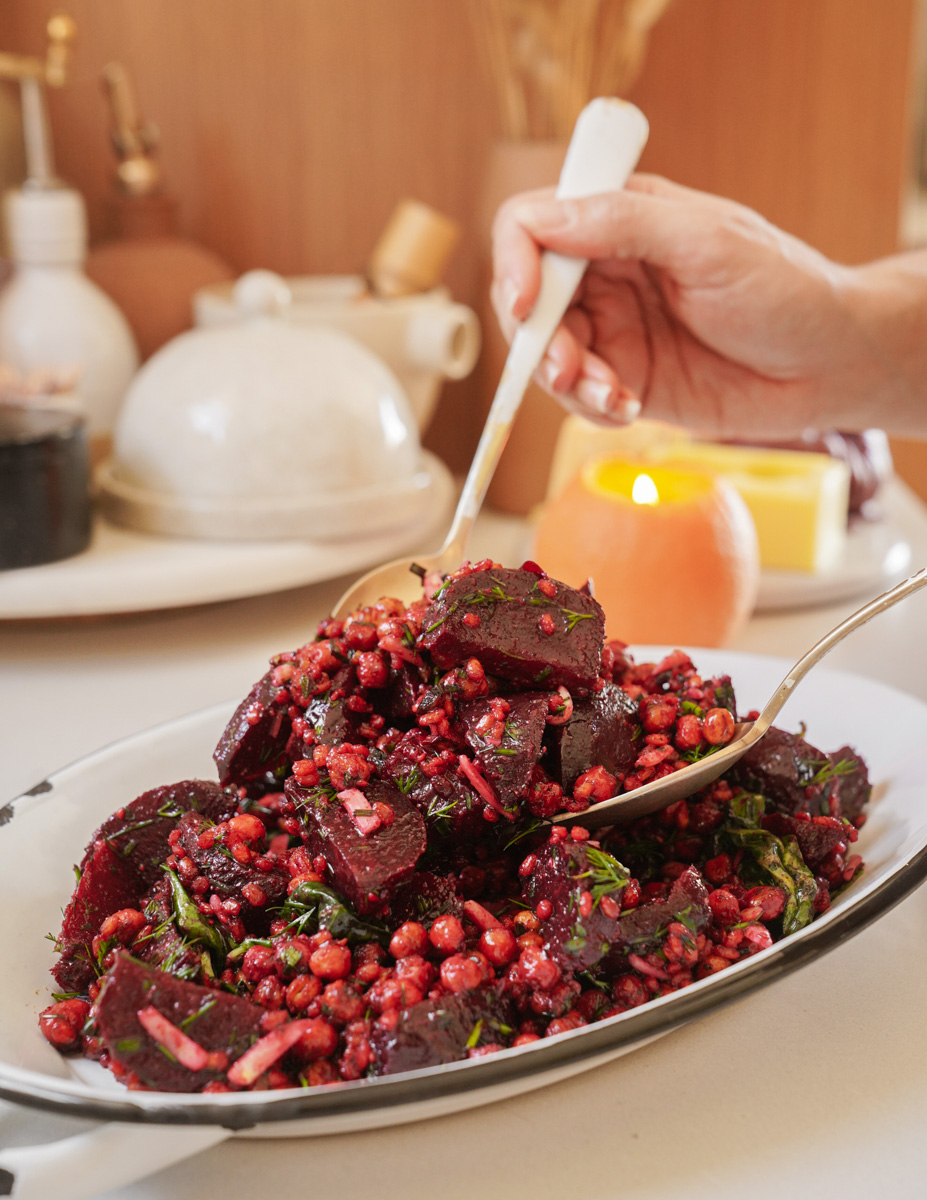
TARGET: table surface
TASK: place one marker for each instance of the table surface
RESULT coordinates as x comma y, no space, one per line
816,1086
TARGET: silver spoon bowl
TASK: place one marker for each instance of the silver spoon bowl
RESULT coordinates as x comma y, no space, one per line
651,797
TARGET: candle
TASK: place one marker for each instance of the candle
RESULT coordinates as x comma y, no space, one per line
671,552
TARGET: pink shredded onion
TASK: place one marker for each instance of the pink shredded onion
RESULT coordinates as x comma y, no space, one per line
482,787
263,1054
360,810
172,1039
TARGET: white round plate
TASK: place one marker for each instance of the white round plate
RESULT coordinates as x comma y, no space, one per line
43,832
124,571
876,555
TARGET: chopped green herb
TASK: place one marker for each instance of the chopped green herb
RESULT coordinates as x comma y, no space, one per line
829,771
190,920
200,1012
574,618
407,783
475,1033
313,906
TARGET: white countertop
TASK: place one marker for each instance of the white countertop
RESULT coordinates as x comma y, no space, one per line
816,1086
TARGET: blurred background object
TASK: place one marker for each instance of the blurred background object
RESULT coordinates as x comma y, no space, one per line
547,58
144,266
51,314
289,141
544,59
261,428
424,337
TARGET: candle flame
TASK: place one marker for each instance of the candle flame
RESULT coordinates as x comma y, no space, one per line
644,490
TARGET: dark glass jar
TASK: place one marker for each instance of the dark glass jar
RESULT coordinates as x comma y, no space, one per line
44,485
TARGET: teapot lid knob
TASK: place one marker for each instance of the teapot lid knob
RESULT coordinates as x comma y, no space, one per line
261,294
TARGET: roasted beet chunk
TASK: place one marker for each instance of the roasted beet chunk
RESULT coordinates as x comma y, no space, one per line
139,832
816,838
851,782
443,1031
227,860
424,898
449,805
107,883
575,878
221,1025
254,741
641,930
505,735
521,626
404,688
364,867
784,768
602,731
331,722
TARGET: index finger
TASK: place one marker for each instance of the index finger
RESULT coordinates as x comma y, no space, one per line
516,257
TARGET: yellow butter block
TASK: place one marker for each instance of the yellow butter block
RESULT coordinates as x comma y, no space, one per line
798,500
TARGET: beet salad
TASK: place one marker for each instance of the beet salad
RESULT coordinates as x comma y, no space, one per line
372,884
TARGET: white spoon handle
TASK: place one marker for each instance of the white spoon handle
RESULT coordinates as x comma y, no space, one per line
606,144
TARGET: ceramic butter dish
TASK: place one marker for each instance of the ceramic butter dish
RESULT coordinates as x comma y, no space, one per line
263,429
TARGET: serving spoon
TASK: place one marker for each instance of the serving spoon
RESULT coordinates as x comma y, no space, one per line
691,779
606,144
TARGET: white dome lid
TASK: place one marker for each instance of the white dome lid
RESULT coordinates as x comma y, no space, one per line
265,429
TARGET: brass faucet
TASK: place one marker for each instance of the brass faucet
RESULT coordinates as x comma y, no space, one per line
33,75
136,141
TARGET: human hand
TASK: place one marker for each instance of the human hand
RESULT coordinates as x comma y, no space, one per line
694,309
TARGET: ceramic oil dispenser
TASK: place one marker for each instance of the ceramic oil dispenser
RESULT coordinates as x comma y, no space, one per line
51,314
148,269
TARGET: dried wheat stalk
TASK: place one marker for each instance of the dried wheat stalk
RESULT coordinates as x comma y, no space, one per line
547,58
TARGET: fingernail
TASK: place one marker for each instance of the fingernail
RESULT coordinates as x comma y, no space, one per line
510,295
595,394
618,404
540,215
551,372
628,409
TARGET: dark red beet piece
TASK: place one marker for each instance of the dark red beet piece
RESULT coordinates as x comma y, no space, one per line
365,868
404,688
640,930
107,883
424,898
254,741
438,1031
228,876
816,838
601,732
449,805
508,765
330,721
508,640
213,1019
564,871
781,766
140,834
851,782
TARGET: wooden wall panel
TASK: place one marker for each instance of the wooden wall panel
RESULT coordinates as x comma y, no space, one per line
291,127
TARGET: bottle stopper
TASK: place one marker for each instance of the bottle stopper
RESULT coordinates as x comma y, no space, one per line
413,250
